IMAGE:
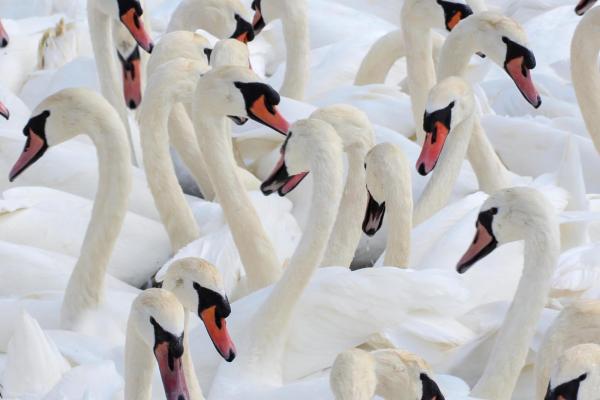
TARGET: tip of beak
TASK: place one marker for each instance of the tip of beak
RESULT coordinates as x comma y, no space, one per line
5,114
538,103
461,268
132,105
421,169
230,357
4,42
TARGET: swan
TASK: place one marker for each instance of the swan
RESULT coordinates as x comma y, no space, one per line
576,374
289,332
389,189
294,20
357,134
236,91
578,323
101,14
512,214
155,330
57,119
390,374
584,73
417,21
221,18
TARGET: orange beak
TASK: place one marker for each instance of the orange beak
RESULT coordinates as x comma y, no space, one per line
272,118
432,148
171,372
521,75
217,330
454,20
35,147
132,79
483,244
243,37
134,24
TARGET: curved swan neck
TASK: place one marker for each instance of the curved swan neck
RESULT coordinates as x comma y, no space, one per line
492,175
456,52
175,213
139,366
542,247
346,232
399,206
297,43
419,68
254,246
584,72
382,55
102,44
439,188
86,285
268,335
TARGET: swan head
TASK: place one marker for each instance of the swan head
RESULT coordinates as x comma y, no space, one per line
222,18
449,103
199,287
157,319
576,374
128,54
353,376
179,44
440,14
380,160
504,41
307,145
400,371
506,216
238,93
583,6
230,52
129,12
351,124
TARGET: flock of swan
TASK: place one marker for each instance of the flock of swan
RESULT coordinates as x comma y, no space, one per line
293,199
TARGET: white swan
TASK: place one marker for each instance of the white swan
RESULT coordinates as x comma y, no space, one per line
357,134
294,18
237,91
389,189
57,119
418,20
509,215
577,323
101,14
576,374
155,332
390,374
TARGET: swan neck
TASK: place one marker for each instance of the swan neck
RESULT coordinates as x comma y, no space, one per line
175,213
269,328
297,43
193,386
255,248
346,232
382,55
456,52
139,366
492,175
100,26
86,284
439,188
508,356
584,72
420,70
399,206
